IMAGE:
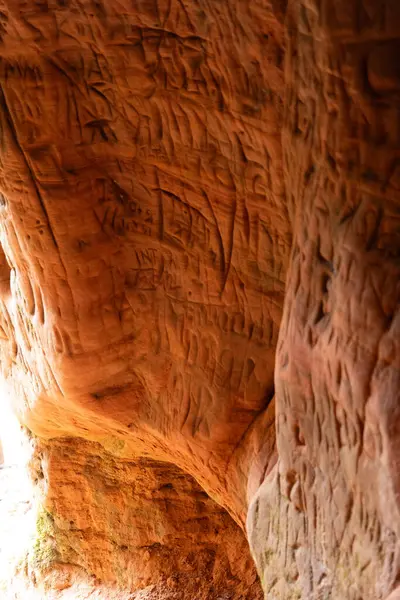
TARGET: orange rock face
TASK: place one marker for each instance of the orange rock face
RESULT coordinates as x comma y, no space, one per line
166,166
145,229
326,522
134,524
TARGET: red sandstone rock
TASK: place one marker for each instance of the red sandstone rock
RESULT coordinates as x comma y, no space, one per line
145,244
158,159
134,524
326,521
145,232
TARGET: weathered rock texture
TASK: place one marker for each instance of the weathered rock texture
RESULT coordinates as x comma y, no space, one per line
136,524
165,165
146,242
327,521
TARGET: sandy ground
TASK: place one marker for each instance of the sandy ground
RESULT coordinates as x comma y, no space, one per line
16,524
16,512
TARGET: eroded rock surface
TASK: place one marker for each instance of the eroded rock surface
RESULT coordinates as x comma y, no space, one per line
145,227
326,522
145,238
135,524
166,166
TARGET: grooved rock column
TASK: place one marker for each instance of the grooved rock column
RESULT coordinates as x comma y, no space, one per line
326,523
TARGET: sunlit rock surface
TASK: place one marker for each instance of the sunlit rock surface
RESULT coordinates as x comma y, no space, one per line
199,290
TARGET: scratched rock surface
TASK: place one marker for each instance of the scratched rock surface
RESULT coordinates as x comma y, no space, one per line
166,166
145,242
325,523
144,229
